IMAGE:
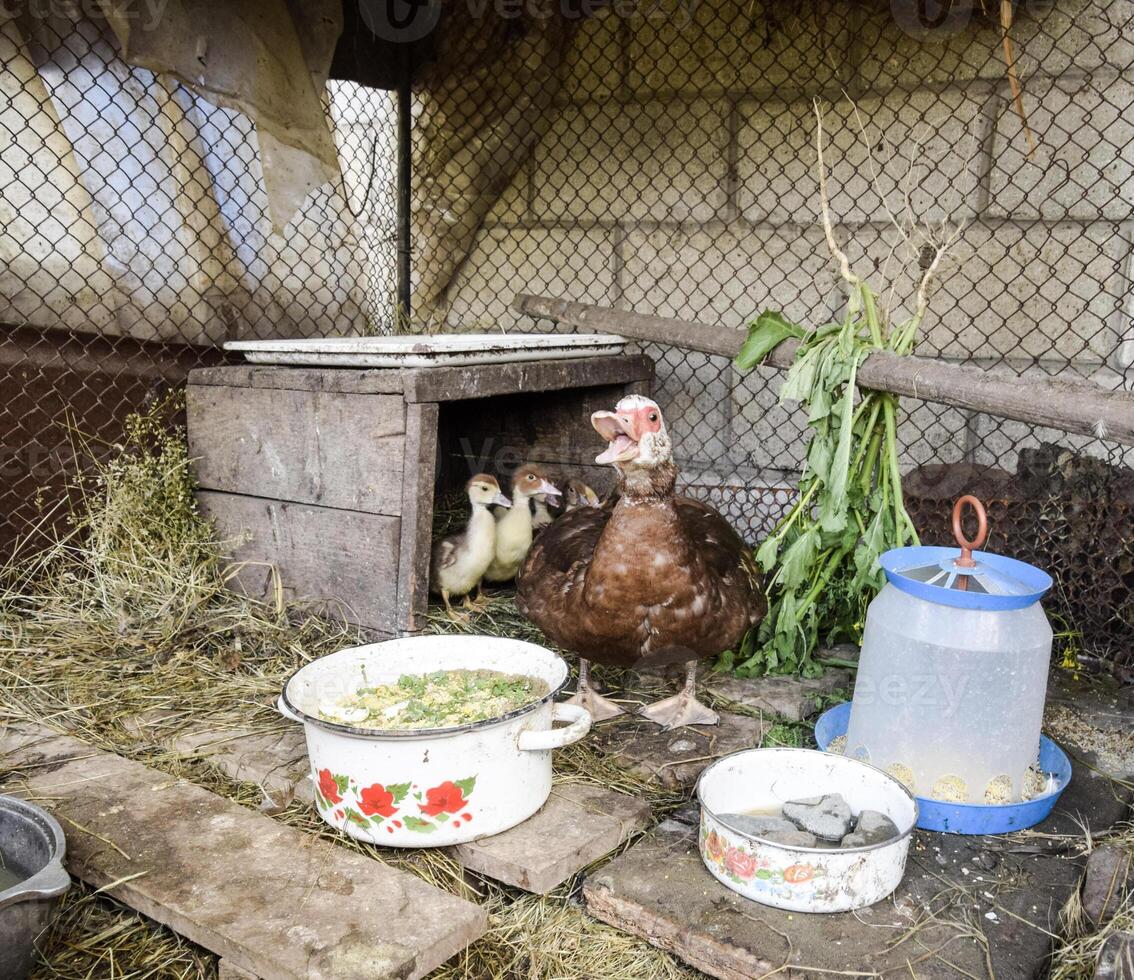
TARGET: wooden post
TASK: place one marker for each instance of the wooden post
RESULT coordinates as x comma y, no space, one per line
1072,406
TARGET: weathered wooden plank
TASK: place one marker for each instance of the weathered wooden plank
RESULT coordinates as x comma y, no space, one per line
271,900
1072,406
438,383
459,383
308,552
322,448
419,467
364,381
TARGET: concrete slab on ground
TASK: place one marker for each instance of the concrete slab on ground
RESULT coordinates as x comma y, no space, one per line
978,906
676,758
269,899
579,824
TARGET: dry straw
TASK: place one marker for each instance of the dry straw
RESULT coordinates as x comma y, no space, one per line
120,629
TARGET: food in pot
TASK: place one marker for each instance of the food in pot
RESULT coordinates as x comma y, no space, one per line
438,700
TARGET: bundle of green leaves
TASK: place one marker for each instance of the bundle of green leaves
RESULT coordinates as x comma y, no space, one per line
821,562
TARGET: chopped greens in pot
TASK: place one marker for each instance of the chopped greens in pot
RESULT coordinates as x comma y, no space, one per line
442,699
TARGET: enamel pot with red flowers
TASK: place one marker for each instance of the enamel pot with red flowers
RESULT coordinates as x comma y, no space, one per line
439,786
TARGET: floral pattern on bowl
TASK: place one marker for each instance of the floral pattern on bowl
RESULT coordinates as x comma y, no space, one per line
748,868
340,797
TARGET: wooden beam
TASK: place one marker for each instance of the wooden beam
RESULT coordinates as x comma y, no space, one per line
1072,406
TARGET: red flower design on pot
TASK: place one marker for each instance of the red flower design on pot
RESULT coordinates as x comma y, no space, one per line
377,800
328,787
446,798
740,864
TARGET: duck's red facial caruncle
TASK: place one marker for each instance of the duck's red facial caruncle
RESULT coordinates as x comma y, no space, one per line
635,431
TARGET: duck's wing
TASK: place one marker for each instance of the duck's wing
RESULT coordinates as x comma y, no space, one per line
549,587
566,544
445,551
725,554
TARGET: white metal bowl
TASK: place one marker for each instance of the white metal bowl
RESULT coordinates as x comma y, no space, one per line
431,787
802,879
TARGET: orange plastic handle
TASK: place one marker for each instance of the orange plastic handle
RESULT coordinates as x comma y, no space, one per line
967,546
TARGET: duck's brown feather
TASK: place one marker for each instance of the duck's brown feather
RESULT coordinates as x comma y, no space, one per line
649,581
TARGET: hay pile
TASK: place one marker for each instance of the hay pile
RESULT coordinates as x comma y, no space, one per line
125,618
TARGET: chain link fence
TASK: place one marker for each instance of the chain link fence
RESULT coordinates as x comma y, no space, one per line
666,164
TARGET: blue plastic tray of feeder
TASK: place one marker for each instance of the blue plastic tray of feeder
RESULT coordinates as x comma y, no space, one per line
970,818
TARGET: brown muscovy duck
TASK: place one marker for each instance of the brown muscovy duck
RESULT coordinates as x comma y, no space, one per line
653,579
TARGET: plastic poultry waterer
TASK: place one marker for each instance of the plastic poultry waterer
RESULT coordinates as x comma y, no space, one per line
953,672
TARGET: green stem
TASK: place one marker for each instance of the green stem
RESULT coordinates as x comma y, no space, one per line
870,310
900,516
800,506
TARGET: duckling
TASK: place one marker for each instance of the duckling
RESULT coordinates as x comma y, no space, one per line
514,527
460,560
580,495
541,514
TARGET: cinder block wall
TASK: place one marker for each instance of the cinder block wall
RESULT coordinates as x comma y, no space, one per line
678,177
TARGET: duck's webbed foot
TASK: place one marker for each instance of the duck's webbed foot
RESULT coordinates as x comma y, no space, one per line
600,708
683,708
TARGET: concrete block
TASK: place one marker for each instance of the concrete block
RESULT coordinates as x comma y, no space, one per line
728,273
930,433
592,67
929,142
1077,36
579,824
767,435
731,45
655,160
751,501
511,206
573,262
692,390
1083,166
1010,290
724,274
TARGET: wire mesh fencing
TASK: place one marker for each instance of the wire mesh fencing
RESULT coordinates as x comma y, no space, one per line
654,155
136,238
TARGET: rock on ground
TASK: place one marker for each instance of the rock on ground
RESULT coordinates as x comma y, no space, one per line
1108,881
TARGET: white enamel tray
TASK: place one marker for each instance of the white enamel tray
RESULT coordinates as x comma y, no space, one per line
427,350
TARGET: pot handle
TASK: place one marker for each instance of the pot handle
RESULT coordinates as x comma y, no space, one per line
48,882
284,710
556,738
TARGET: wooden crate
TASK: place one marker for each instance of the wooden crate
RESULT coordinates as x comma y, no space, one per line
323,480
